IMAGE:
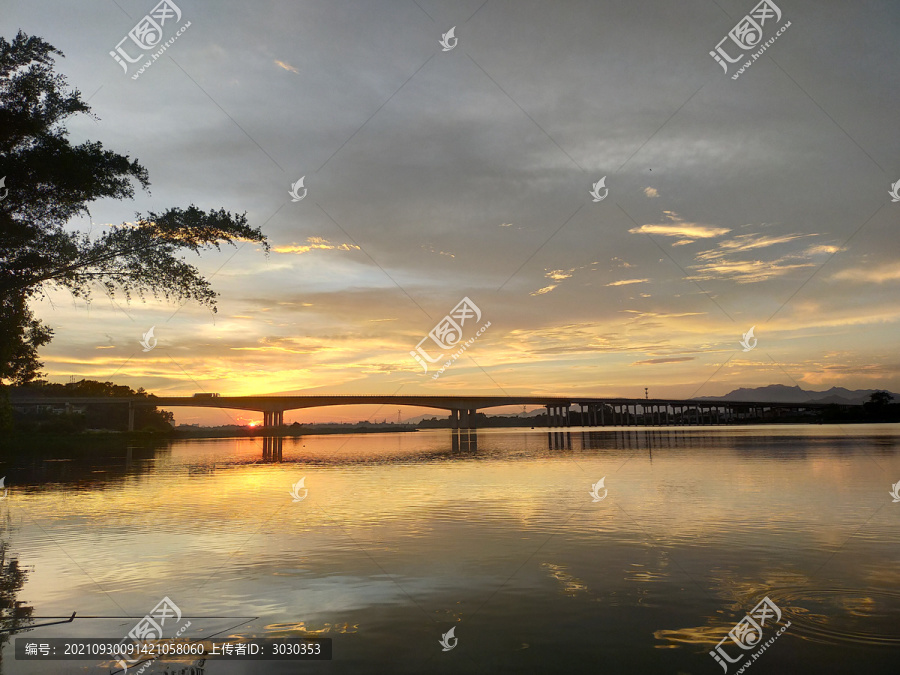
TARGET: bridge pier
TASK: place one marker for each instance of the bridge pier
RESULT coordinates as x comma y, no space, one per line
560,415
463,418
273,418
130,416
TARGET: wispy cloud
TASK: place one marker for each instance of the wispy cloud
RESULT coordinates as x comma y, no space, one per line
744,272
314,243
878,274
432,249
558,276
727,262
286,66
674,359
651,192
682,230
822,248
625,282
749,242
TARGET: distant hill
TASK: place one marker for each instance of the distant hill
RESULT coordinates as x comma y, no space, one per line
779,393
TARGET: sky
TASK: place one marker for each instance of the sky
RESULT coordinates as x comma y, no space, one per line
435,172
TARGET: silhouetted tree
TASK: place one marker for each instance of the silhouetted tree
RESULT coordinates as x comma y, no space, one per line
48,181
880,399
879,408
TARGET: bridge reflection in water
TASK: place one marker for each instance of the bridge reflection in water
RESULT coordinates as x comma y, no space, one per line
465,441
272,448
559,440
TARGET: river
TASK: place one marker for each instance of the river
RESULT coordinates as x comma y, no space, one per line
391,540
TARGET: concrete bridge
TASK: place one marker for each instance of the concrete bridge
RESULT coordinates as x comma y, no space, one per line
463,409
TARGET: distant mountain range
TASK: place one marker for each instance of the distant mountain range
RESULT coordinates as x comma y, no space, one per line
779,393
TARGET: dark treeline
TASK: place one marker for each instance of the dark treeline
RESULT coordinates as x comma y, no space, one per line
57,418
879,408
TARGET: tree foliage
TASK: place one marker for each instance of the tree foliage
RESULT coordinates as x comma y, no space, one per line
48,181
96,416
879,399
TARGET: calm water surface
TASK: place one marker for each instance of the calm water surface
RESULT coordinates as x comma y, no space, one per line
403,536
